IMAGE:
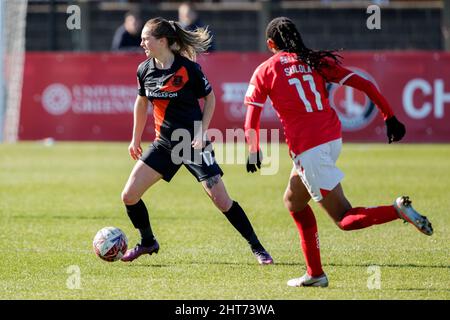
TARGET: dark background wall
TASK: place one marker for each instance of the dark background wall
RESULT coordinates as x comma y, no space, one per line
237,26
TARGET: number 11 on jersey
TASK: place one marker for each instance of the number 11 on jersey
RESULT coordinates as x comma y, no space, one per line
301,93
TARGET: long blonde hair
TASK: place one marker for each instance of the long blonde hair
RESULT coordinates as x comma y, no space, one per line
186,43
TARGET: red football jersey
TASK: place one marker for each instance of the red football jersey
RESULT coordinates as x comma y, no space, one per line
299,97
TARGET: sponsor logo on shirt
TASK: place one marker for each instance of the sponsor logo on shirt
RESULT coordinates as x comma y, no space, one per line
161,94
177,81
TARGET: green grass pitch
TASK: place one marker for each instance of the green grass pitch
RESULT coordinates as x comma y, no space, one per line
54,199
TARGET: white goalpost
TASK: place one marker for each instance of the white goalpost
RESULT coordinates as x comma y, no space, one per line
12,59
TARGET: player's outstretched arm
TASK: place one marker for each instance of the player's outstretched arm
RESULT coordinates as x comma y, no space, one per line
139,120
395,129
252,137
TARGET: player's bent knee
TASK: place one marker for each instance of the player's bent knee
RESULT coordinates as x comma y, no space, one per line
222,203
296,207
289,205
287,201
338,221
129,198
224,206
292,205
220,199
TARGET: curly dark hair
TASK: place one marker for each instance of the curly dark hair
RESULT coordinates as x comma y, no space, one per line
287,38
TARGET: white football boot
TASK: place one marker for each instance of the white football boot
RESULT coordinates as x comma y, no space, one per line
407,213
308,281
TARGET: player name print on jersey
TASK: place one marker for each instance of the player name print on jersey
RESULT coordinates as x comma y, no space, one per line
297,68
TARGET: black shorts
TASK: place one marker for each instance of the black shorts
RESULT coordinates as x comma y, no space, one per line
200,163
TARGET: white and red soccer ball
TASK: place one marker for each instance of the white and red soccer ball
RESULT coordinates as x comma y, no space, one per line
110,244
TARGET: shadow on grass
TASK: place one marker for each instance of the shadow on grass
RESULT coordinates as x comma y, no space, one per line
68,217
192,263
365,265
419,289
362,265
390,265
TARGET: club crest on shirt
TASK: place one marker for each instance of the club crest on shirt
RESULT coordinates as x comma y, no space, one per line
354,108
177,81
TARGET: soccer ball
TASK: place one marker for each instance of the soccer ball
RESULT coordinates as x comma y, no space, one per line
110,244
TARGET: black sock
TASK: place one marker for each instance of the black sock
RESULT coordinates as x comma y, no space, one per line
240,222
139,217
147,237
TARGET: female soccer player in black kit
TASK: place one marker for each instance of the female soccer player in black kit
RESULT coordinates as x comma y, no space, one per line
173,83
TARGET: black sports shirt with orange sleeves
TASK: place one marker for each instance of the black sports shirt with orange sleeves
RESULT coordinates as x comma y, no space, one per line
174,94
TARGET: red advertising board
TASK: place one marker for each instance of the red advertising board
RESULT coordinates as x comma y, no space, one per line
90,96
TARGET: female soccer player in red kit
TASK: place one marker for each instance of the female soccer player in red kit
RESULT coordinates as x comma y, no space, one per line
295,79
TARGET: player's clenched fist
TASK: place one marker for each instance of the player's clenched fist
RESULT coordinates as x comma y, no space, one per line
135,150
395,129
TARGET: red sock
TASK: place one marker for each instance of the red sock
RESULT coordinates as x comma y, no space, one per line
309,237
359,218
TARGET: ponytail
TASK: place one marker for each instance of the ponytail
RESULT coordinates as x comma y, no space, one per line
183,42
